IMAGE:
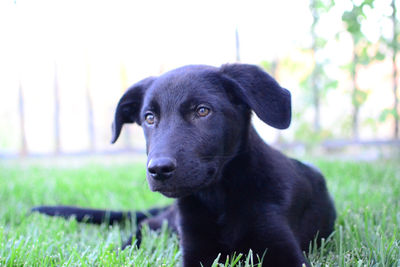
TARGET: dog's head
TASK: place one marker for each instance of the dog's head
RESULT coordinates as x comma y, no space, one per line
196,118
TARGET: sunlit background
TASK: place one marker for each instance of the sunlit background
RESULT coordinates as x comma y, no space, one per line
64,65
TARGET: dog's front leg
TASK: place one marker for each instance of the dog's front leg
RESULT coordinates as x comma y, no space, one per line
200,250
286,255
199,233
199,240
277,243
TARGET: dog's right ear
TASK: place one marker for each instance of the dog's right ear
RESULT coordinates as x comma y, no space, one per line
128,107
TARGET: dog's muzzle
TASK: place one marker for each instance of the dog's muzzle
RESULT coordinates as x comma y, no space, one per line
161,168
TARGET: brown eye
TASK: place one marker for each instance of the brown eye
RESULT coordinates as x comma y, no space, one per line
149,118
203,111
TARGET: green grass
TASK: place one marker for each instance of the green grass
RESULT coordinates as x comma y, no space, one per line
367,197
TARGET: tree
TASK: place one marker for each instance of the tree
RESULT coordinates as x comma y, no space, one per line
318,81
393,46
353,20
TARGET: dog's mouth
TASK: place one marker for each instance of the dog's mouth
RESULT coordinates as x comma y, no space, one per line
175,194
179,191
174,189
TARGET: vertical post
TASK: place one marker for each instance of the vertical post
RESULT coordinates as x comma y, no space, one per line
23,148
124,86
237,44
56,111
89,102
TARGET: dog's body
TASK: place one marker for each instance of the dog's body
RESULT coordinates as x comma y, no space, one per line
234,192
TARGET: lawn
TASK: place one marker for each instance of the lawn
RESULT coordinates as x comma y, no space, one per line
367,197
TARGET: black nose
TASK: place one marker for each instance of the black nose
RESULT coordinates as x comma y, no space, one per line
161,168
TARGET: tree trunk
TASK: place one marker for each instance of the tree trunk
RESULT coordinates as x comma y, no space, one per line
356,106
317,125
314,74
394,77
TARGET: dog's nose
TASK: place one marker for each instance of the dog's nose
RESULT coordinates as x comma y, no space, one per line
161,168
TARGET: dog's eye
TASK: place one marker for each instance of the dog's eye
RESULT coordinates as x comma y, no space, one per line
149,117
202,111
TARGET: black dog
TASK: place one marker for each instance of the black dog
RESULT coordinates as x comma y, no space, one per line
234,192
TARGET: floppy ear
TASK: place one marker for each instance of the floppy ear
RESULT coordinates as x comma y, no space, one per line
128,107
261,93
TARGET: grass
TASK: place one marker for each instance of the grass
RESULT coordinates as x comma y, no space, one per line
367,197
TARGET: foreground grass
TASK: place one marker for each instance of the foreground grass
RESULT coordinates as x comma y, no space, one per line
367,197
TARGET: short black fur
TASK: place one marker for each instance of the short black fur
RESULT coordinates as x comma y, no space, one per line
234,192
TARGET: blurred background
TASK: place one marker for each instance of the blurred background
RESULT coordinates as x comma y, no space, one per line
64,65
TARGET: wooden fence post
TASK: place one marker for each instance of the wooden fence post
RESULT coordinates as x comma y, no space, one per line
56,111
23,148
89,102
237,43
124,86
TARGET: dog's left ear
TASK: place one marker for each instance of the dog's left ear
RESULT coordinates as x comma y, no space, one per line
261,93
129,106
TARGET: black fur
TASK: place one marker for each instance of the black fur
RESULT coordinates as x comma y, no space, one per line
234,192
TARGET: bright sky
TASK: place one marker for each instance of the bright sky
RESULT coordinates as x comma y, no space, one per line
92,41
154,32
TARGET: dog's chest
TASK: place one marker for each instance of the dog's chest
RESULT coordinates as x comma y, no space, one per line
230,230
226,217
